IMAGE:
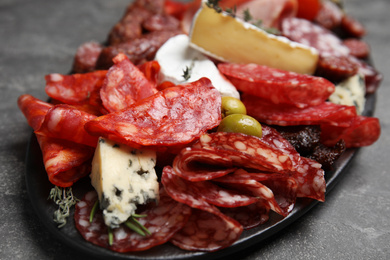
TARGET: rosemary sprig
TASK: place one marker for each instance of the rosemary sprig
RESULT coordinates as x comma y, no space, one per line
131,223
65,199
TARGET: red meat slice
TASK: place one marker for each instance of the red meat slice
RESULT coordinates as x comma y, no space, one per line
325,113
86,57
162,220
363,131
173,117
33,109
65,162
208,229
82,90
310,34
124,85
278,86
67,122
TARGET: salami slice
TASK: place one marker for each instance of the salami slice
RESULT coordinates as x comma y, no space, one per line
33,109
172,118
124,85
207,232
310,34
77,89
86,57
65,162
336,68
162,220
67,122
357,47
151,70
363,131
325,113
243,151
208,229
278,86
310,179
248,216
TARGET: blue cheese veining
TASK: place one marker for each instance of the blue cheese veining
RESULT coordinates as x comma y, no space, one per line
123,177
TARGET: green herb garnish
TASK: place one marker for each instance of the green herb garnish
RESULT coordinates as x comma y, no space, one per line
65,199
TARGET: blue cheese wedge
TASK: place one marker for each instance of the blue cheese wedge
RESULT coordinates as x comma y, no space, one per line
123,177
351,92
179,63
229,39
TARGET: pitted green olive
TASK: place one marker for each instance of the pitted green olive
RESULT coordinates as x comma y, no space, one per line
231,105
238,123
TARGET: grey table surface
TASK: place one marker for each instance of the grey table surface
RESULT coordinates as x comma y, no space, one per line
38,37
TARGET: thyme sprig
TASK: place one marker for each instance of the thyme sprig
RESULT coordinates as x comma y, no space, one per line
65,199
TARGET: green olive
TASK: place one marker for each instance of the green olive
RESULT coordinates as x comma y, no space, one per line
231,105
238,123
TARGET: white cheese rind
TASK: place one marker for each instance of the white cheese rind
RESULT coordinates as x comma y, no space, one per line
351,92
176,55
123,177
230,39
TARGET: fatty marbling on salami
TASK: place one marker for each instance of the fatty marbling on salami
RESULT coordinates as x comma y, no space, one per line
278,86
173,117
162,220
124,85
65,162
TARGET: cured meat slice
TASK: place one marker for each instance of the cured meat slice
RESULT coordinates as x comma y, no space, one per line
33,109
172,117
329,15
162,220
372,77
86,57
124,85
207,229
336,68
275,191
310,179
310,34
77,89
65,162
363,131
151,70
357,48
269,12
325,113
248,216
278,86
200,165
206,191
207,232
139,50
352,27
247,151
67,122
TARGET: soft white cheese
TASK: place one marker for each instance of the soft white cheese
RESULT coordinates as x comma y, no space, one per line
175,56
123,178
351,92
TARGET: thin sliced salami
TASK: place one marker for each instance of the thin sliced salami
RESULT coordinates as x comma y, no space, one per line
33,109
325,113
363,131
65,162
67,122
207,232
124,85
77,89
247,151
86,57
163,221
278,86
208,229
310,34
172,118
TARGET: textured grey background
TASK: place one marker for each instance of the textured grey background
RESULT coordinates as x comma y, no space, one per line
40,37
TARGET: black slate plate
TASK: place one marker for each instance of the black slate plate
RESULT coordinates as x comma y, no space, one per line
38,188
